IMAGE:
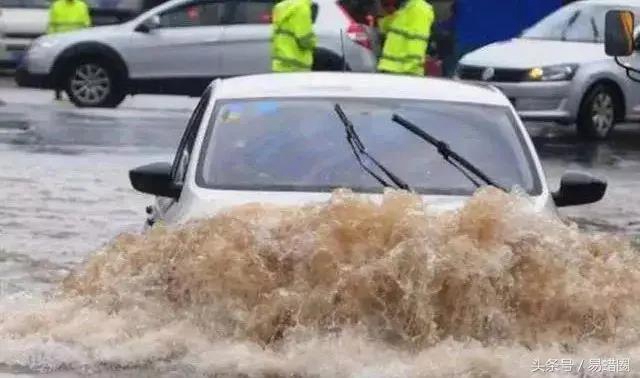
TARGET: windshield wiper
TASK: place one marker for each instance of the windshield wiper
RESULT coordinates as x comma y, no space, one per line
449,155
594,28
572,20
359,149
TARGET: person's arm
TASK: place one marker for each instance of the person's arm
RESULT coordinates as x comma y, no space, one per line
303,29
384,23
86,18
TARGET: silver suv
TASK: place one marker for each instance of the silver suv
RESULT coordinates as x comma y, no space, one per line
180,46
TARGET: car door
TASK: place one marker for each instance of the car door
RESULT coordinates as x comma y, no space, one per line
247,37
185,43
168,208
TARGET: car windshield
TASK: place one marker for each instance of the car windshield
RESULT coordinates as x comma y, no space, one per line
575,23
300,145
24,4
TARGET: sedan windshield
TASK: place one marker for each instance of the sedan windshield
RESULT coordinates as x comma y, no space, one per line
301,145
575,23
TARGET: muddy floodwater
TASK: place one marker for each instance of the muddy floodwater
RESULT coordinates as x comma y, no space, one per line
343,288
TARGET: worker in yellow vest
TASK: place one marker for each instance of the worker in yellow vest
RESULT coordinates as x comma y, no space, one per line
293,40
67,15
407,31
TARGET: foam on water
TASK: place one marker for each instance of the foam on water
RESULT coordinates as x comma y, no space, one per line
343,288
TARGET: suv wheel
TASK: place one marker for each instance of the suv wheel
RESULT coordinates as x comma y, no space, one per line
93,83
598,113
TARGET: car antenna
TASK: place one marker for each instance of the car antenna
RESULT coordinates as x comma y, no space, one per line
344,58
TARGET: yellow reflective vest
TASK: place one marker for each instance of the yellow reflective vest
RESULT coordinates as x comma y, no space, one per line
407,33
68,15
292,38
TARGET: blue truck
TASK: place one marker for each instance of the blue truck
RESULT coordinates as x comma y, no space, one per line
466,25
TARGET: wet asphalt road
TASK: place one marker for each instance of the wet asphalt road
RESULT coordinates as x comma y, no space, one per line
65,190
63,174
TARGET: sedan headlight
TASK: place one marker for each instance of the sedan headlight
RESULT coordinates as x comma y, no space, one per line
553,73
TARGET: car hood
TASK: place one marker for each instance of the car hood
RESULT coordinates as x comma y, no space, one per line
206,203
527,53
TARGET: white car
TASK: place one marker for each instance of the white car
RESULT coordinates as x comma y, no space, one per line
557,70
280,138
22,21
180,46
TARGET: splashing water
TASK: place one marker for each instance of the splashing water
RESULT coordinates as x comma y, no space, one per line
344,288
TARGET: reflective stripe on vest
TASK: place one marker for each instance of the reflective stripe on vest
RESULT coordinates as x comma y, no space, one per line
403,59
302,41
409,35
80,24
292,62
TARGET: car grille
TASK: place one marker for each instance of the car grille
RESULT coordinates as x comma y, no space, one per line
503,75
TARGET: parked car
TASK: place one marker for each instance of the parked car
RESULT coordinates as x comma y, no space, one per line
280,138
22,21
26,20
180,46
557,70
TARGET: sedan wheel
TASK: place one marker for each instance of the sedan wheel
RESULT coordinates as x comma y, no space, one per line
599,112
603,113
90,84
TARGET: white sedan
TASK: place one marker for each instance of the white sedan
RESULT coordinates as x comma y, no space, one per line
290,139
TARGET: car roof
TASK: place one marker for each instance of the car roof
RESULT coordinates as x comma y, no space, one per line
338,84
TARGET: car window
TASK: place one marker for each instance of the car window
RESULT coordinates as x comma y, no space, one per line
135,6
255,12
251,12
193,14
266,145
183,154
24,4
574,23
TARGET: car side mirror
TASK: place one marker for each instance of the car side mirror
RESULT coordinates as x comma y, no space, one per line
618,39
149,24
577,188
155,179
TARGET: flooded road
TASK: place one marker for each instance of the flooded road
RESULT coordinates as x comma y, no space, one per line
617,160
66,193
65,186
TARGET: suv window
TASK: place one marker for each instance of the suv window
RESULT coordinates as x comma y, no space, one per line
193,14
255,12
251,12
